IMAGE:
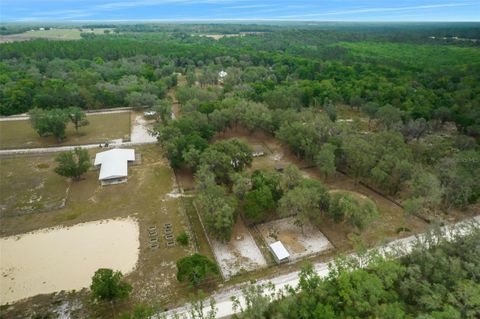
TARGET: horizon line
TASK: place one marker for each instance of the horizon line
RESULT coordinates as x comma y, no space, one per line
236,20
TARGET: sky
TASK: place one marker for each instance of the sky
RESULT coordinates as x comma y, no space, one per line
204,10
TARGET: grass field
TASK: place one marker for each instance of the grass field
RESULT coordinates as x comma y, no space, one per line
29,184
52,34
102,127
146,196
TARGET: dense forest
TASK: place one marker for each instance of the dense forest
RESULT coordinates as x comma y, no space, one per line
288,82
434,81
436,282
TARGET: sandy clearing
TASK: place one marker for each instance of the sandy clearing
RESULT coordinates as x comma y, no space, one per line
55,259
240,255
300,244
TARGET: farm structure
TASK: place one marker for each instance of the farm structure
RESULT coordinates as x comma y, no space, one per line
114,165
280,253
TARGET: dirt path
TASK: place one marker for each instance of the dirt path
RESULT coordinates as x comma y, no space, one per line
141,131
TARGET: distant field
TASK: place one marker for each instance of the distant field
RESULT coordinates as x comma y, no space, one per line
52,34
415,55
102,127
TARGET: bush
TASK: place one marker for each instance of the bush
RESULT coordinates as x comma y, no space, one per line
183,239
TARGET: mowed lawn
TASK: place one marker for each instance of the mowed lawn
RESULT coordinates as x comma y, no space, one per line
102,127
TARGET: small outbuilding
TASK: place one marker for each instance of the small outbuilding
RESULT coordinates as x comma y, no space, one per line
280,253
221,76
149,113
114,165
258,150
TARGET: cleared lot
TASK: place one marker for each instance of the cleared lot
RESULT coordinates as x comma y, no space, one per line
299,242
240,255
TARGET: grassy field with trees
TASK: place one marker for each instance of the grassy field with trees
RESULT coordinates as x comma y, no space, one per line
101,128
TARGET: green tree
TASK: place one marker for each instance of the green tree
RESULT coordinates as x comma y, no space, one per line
359,156
190,77
163,109
241,184
291,177
330,109
77,117
257,203
73,164
371,109
356,212
140,100
108,285
49,122
307,202
196,269
218,210
325,159
389,116
425,187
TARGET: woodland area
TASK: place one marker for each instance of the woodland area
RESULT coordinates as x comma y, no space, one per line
289,82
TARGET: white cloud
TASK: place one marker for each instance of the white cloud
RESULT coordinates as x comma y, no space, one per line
373,10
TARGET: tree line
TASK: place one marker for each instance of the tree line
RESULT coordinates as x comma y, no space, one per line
424,81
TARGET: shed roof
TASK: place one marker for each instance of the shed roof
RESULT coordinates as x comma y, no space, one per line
114,163
279,250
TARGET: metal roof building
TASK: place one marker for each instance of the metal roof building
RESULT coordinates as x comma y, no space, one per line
279,252
114,165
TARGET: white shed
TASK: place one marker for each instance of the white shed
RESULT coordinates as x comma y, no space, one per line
114,165
279,252
222,75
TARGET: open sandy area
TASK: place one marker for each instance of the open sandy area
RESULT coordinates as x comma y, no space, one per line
299,243
240,255
65,258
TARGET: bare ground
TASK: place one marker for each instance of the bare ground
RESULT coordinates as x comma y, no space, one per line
240,255
299,242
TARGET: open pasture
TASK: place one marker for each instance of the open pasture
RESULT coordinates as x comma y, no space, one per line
102,127
29,184
52,34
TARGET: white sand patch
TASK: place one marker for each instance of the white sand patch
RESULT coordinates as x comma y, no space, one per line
240,255
300,244
140,131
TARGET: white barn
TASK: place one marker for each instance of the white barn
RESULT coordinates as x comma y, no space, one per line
280,253
114,165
